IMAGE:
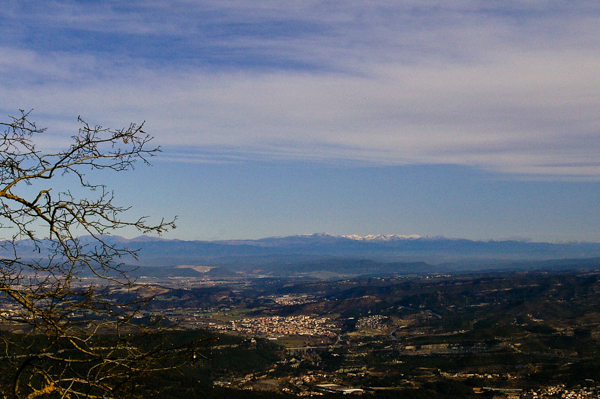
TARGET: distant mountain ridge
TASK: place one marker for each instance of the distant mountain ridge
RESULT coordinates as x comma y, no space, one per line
350,254
322,237
392,247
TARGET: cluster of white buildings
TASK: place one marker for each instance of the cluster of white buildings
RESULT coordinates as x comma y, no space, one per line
559,391
280,325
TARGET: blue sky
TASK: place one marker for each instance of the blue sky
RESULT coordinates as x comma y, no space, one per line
463,118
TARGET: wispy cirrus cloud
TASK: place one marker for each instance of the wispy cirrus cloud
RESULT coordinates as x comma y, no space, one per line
508,86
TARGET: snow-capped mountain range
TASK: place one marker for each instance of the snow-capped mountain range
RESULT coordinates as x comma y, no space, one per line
370,237
390,247
338,256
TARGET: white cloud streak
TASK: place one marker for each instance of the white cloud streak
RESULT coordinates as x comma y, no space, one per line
505,86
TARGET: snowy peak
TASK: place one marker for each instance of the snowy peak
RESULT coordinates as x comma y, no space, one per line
382,237
369,237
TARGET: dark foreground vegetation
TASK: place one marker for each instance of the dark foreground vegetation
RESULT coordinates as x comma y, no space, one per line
442,336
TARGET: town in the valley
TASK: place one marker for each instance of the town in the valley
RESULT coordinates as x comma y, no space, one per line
502,335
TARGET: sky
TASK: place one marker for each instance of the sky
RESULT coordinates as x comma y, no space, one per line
460,118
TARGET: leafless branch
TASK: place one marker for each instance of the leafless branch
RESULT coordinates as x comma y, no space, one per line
73,339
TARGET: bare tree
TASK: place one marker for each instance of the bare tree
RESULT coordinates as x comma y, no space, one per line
70,338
